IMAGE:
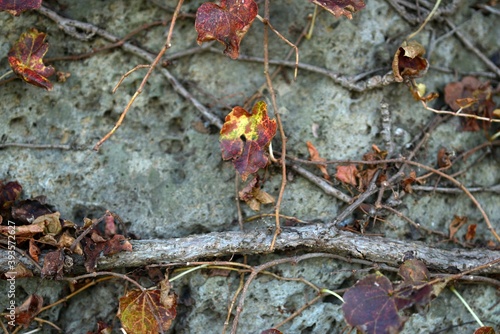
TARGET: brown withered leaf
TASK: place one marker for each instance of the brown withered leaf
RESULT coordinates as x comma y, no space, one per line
471,232
50,222
66,241
408,62
443,158
33,250
95,246
53,265
347,174
408,181
254,196
24,212
341,7
102,328
456,224
9,193
473,97
313,152
28,310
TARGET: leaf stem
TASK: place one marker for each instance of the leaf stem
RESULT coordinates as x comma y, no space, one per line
333,294
6,74
467,306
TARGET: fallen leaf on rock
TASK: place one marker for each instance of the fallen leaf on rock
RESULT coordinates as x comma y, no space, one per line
456,224
140,311
33,250
254,196
245,136
271,331
347,174
313,152
16,7
471,232
408,62
341,7
96,246
226,23
443,158
408,181
25,59
25,212
102,328
473,97
53,265
28,310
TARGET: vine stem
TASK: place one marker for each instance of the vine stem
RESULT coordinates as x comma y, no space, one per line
164,49
280,124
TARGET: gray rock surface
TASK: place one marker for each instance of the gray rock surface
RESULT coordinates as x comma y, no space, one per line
163,173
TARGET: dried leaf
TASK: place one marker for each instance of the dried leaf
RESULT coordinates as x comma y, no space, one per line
245,136
471,232
33,250
139,311
26,211
341,7
53,265
254,196
226,23
50,222
95,246
9,193
313,152
473,97
25,59
408,181
347,174
443,158
16,7
408,62
271,331
456,224
28,310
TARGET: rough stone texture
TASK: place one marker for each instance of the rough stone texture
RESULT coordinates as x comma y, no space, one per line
166,178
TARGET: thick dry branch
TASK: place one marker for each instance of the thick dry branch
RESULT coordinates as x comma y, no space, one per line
311,238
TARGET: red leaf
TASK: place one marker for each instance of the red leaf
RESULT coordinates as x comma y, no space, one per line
471,232
347,174
96,246
245,136
227,23
25,58
139,311
369,307
341,7
16,7
313,152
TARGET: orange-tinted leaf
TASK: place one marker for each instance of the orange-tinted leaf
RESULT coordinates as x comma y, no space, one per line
33,250
227,23
140,310
368,306
347,174
313,152
456,224
408,62
443,158
484,330
9,192
245,136
28,310
341,7
16,7
471,232
25,58
408,181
